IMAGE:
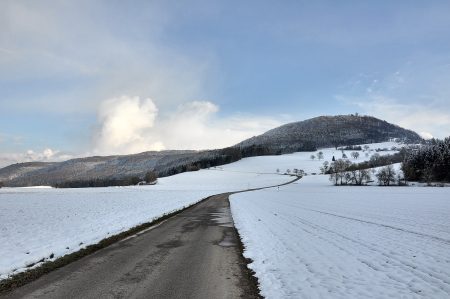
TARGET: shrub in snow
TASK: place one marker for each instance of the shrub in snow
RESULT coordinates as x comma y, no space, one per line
150,177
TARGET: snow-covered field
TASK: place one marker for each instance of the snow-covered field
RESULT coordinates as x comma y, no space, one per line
309,239
314,240
37,222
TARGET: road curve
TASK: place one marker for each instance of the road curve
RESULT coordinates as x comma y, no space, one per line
194,254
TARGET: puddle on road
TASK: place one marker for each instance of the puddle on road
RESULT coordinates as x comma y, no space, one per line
223,217
228,241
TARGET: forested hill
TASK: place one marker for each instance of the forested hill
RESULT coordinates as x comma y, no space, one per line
112,170
325,131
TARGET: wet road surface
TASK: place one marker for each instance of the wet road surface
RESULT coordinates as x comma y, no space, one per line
194,254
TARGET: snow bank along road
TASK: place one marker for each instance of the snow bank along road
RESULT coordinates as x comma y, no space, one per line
313,240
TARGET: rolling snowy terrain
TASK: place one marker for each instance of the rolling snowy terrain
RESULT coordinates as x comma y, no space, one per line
310,239
307,239
302,160
37,223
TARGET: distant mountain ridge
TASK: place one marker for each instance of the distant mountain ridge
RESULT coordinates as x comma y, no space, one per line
322,131
326,131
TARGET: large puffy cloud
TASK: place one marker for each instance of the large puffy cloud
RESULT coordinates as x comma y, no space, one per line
131,125
124,123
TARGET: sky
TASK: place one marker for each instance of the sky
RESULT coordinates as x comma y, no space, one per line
87,77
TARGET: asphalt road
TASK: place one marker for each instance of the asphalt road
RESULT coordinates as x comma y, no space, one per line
194,254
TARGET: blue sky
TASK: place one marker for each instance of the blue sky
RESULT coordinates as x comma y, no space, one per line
111,77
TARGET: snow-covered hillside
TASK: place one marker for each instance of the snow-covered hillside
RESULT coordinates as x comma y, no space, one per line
36,223
302,160
314,240
326,131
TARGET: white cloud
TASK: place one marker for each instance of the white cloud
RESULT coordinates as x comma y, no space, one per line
131,125
424,117
426,135
97,58
46,155
124,121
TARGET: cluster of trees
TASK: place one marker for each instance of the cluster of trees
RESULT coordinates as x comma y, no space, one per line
387,176
351,148
132,180
377,160
296,171
220,157
319,156
275,149
355,155
344,172
149,177
429,163
258,150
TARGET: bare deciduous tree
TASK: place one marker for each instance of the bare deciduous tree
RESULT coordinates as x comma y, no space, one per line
320,155
325,167
337,171
386,175
355,155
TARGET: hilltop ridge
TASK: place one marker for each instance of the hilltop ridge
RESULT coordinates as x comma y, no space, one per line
326,131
